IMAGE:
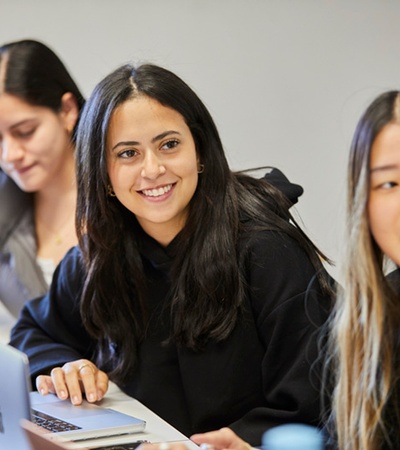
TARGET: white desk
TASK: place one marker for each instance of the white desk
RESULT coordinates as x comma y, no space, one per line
157,430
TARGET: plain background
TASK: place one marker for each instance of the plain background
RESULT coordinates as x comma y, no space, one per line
285,80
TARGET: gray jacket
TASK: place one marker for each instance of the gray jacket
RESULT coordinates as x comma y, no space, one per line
21,278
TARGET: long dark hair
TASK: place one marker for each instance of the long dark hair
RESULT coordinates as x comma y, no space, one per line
34,73
208,285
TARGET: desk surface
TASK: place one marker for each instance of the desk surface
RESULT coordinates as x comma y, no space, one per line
157,430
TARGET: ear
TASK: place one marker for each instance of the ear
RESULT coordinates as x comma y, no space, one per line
69,111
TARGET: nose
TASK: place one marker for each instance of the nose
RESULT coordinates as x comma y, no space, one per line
152,166
10,151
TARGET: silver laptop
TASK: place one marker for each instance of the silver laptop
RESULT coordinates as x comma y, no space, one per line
41,441
87,421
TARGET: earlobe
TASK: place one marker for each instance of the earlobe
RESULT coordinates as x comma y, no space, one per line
69,111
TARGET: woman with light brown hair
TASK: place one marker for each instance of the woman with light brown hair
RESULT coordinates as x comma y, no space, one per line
365,326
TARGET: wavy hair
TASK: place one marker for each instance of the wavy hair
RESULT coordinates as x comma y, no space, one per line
207,282
366,316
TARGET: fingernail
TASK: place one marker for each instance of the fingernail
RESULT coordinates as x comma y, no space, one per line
75,400
42,392
99,395
205,446
63,394
91,397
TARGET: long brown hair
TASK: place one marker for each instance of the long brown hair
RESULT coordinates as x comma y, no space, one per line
366,318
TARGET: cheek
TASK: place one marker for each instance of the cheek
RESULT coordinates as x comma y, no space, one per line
384,220
378,218
50,140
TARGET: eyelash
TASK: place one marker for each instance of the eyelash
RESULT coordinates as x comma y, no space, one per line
130,153
124,153
175,142
387,185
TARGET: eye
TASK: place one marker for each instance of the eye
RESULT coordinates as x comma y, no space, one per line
126,154
171,144
388,185
25,133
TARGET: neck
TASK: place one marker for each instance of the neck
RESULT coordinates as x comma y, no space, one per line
54,212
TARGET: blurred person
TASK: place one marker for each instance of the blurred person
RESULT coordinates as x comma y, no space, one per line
39,110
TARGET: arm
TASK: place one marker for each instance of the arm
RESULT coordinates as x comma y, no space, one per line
51,333
289,309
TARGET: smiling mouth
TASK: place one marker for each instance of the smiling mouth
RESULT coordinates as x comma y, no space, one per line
157,192
23,170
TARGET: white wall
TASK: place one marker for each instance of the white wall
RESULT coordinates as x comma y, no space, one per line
284,80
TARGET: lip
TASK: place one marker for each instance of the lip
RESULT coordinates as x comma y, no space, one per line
23,170
154,194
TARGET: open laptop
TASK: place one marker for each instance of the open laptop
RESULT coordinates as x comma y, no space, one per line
40,441
87,421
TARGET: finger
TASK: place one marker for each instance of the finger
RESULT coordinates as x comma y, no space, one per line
44,385
87,375
72,381
147,446
224,438
58,381
101,384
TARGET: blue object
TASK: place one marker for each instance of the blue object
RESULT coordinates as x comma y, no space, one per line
293,437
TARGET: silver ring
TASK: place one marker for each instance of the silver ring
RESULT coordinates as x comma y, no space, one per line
85,365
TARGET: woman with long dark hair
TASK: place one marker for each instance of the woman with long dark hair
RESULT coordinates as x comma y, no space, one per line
39,110
192,288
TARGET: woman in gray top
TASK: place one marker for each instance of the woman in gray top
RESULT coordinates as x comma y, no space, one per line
39,111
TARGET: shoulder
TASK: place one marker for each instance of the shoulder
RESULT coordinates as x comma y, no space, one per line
271,246
69,275
72,263
276,267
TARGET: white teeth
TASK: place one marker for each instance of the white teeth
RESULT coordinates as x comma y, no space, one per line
157,192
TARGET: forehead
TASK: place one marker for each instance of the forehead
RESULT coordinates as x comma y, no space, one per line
13,108
386,146
143,115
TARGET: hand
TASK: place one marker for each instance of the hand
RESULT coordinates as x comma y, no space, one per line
72,380
163,446
223,439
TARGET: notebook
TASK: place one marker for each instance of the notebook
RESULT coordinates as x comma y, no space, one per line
87,421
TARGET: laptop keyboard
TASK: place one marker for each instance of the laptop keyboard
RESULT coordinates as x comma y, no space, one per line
52,423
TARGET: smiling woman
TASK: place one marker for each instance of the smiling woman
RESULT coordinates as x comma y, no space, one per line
193,285
39,110
152,165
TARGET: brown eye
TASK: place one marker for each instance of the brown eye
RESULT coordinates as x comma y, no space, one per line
170,144
127,154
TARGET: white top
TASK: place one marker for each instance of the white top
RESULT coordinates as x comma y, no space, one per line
48,267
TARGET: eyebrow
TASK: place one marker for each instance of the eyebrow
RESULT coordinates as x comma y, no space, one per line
155,139
22,122
383,168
